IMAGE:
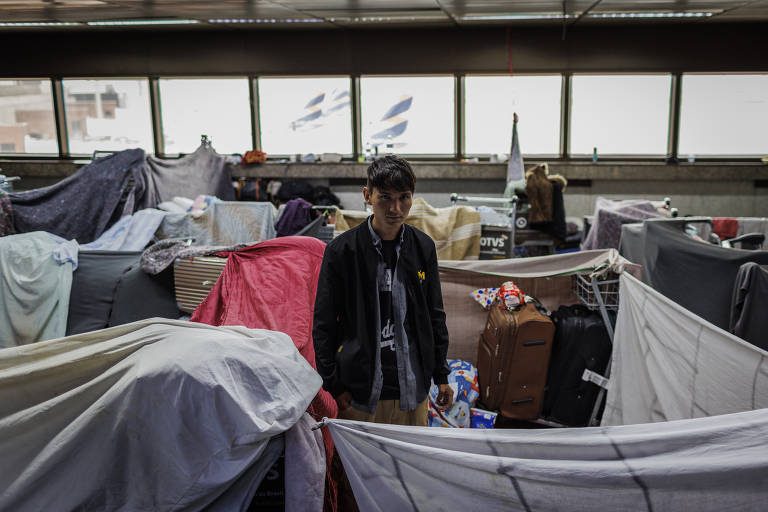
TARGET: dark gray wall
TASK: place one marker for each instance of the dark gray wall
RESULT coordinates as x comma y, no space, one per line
670,47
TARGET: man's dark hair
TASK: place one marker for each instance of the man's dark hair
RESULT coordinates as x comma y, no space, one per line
391,172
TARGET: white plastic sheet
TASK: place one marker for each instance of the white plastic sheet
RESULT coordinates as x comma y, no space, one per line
153,415
670,364
706,464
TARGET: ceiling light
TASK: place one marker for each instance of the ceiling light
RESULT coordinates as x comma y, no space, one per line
123,23
267,20
649,14
515,17
38,24
386,19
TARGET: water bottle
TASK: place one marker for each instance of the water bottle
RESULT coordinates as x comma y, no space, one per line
390,145
594,154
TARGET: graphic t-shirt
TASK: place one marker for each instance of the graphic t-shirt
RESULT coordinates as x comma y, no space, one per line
391,387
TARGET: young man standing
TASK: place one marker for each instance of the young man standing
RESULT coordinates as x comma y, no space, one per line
379,326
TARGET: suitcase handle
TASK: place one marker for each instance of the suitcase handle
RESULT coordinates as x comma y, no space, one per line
521,400
534,343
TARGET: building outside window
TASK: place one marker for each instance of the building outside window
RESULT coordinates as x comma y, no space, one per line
408,115
27,122
107,115
216,107
305,115
723,115
490,102
619,114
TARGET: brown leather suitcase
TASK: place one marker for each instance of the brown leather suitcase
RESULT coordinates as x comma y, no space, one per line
512,360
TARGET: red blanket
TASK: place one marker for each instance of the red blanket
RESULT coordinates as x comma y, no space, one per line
272,285
725,227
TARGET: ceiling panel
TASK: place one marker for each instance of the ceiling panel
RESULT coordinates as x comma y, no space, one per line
288,14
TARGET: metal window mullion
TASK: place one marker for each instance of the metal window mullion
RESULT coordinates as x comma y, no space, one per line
255,113
459,115
673,137
565,115
60,117
354,105
157,117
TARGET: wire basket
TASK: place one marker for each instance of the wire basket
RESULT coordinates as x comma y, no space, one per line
607,286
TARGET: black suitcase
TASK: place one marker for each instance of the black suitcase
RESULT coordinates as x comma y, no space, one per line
581,342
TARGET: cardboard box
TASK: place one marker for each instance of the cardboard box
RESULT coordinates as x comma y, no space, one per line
495,243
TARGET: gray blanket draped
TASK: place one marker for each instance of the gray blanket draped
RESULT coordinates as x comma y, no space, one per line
202,172
697,275
81,206
750,295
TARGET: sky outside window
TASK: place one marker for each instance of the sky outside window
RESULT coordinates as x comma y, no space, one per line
219,108
490,102
305,115
724,115
413,114
107,115
620,114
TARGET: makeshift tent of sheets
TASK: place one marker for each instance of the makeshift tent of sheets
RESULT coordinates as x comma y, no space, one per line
724,286
655,450
126,182
152,415
118,191
605,225
550,279
705,464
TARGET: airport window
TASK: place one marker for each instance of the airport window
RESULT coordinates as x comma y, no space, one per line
107,115
490,101
216,107
723,115
619,114
305,115
27,123
408,115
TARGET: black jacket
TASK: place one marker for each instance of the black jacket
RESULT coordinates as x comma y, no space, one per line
344,328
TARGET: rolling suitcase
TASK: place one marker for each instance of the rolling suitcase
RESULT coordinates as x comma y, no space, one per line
512,360
581,342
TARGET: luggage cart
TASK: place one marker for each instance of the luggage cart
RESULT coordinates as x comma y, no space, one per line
498,242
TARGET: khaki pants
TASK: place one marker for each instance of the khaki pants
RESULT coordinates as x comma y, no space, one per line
388,411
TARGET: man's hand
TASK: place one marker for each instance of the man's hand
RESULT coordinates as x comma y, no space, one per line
342,401
444,397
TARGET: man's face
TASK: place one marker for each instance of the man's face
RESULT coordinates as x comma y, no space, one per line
390,207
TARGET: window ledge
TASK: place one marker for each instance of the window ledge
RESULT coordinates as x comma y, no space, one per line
608,171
